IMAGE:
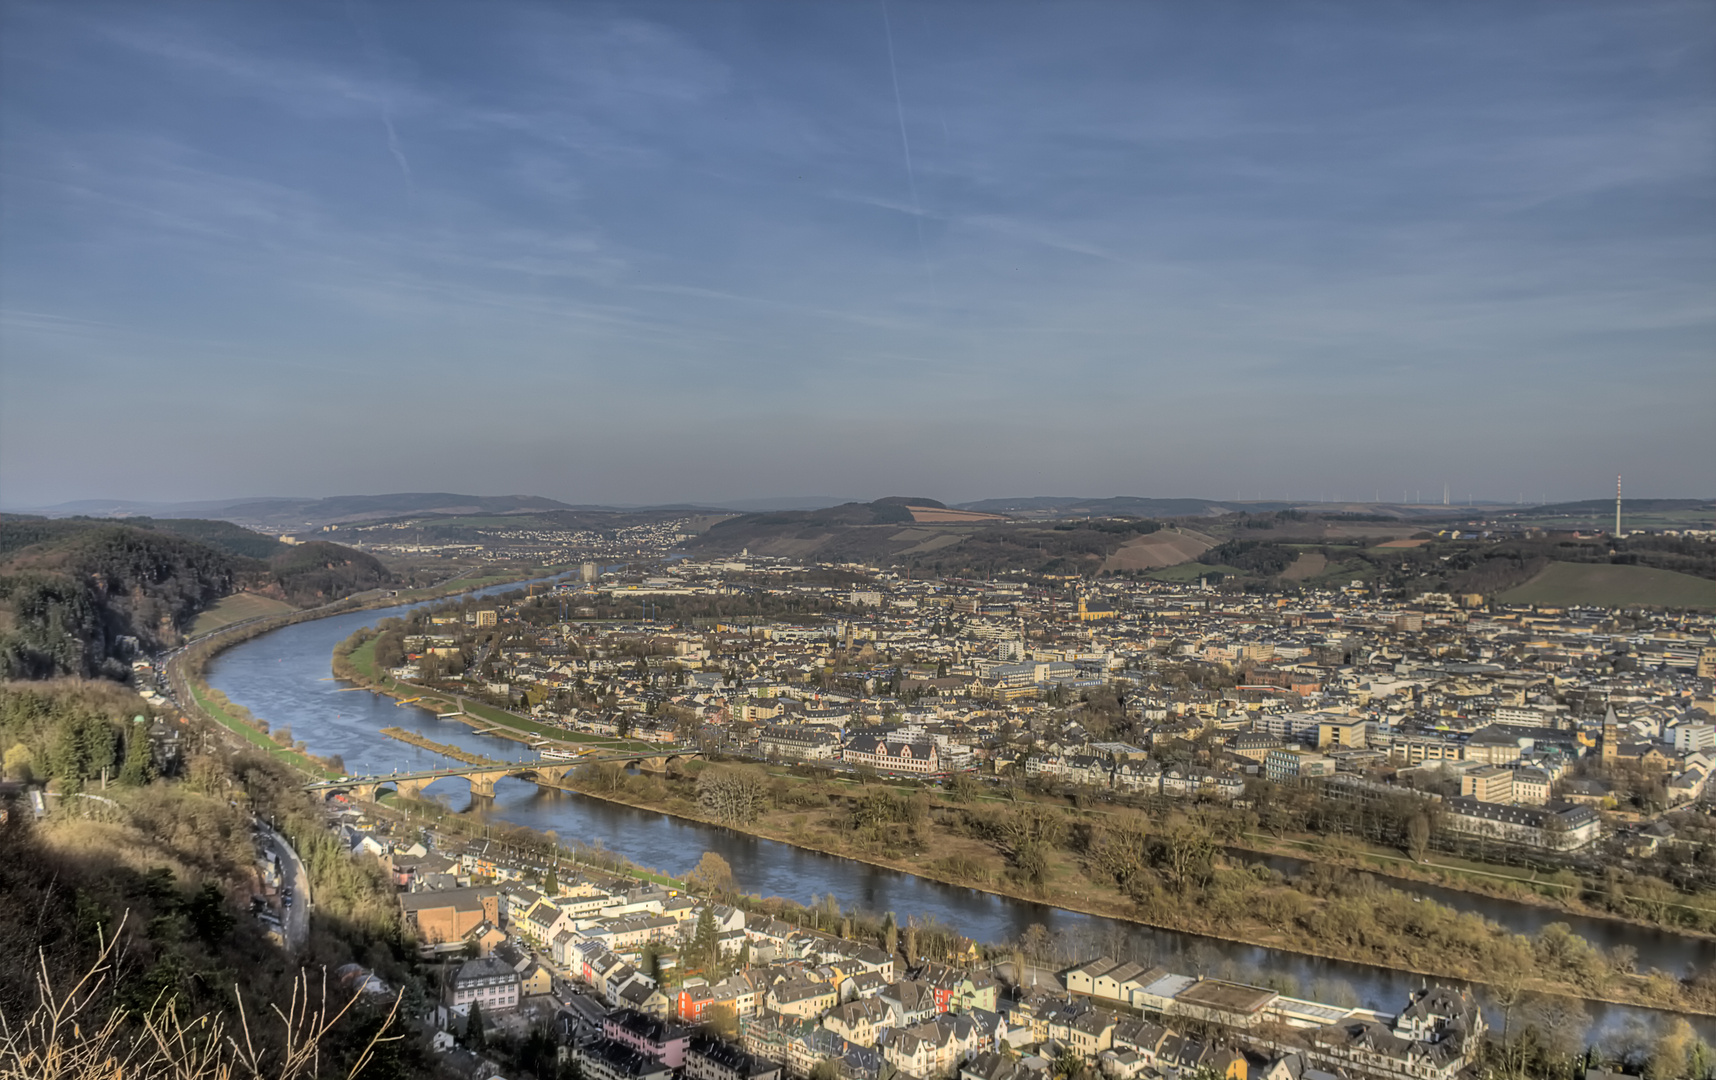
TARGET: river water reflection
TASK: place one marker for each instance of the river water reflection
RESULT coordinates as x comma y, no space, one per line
285,678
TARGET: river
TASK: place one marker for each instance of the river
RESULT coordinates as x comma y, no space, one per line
285,678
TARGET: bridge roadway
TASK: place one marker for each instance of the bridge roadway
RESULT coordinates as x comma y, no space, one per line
550,772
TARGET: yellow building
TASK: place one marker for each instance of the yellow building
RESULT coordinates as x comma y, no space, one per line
1088,612
536,980
1492,783
801,999
1344,733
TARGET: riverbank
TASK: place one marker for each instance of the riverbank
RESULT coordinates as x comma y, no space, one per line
419,811
1068,894
184,670
1482,880
210,708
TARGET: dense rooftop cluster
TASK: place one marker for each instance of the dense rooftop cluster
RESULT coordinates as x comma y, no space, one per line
1519,723
637,980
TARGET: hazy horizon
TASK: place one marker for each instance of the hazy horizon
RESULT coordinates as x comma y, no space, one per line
773,503
640,253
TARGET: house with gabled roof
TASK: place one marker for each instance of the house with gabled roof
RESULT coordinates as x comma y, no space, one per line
860,1021
911,1002
541,922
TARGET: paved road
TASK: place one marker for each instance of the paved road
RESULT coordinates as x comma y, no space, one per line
296,919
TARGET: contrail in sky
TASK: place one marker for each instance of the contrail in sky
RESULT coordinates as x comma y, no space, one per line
906,145
393,145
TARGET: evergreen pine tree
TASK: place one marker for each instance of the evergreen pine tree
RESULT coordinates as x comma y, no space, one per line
139,767
474,1034
705,946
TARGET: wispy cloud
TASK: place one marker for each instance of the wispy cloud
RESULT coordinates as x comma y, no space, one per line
1149,230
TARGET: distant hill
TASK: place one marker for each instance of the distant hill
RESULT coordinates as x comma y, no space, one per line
318,572
893,510
1058,506
230,538
797,502
1120,506
904,500
283,515
1070,504
22,530
1586,507
73,591
129,508
922,533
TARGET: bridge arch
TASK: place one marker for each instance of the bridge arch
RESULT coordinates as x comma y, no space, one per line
482,776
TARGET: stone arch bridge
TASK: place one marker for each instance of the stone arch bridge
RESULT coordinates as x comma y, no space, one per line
548,772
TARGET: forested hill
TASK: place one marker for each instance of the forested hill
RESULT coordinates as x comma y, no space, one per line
78,596
319,571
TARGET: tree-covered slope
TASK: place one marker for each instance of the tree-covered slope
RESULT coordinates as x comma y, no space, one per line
317,572
79,597
233,539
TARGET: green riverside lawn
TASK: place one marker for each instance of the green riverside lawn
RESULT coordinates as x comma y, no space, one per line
250,734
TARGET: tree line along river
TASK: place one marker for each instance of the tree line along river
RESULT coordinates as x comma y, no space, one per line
284,677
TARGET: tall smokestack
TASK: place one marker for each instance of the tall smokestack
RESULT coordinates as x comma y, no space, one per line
1617,504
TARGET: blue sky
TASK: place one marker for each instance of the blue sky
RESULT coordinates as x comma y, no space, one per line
703,250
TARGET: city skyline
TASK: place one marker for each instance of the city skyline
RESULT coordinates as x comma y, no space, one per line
650,254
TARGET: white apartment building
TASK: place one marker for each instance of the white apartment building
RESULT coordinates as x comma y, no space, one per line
487,982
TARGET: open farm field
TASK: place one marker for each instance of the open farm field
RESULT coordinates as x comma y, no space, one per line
1342,571
1600,514
1308,565
1608,585
1159,549
1192,571
1344,530
934,543
941,515
237,608
789,547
